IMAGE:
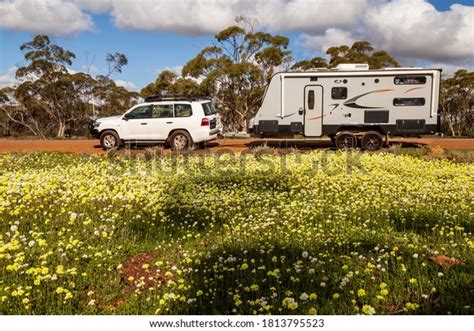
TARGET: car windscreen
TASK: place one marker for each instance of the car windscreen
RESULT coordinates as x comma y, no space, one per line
208,108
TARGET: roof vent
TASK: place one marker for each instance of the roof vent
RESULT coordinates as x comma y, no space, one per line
352,66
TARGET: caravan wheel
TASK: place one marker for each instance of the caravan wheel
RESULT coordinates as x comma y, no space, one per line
372,141
346,140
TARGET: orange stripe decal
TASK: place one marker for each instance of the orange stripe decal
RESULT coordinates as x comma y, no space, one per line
412,89
316,117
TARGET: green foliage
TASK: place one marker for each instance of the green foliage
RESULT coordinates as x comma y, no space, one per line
237,69
314,63
359,52
457,103
169,83
46,60
3,96
51,100
116,62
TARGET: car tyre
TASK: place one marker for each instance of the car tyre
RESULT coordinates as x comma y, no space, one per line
180,140
109,139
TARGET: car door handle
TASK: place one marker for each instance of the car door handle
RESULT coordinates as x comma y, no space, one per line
169,122
143,123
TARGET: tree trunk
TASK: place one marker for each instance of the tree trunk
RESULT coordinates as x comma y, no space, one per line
243,125
23,123
451,128
61,130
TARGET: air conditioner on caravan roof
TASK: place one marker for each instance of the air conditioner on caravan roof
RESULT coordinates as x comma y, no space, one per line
352,66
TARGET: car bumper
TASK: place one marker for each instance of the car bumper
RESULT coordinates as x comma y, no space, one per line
94,132
205,134
214,132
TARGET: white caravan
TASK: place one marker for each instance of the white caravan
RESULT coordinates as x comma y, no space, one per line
353,105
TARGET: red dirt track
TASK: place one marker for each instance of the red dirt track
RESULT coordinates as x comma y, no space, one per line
221,145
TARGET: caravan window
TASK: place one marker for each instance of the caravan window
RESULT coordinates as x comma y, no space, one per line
310,99
409,80
339,93
409,101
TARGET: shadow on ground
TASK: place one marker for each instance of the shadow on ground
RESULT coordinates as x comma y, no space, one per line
319,144
238,146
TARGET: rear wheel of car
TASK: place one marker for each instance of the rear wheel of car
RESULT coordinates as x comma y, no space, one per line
180,140
371,141
109,140
345,140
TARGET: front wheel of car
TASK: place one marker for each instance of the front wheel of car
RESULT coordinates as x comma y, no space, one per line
109,140
180,140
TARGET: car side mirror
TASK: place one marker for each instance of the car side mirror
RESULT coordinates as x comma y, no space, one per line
125,117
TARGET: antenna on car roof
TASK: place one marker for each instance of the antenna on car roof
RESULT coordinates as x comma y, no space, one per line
176,97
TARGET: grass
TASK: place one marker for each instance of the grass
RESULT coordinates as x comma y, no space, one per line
319,232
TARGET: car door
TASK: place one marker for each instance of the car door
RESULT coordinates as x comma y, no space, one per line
135,122
183,117
313,104
162,121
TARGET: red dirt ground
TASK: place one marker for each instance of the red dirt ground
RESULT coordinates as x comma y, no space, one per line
221,145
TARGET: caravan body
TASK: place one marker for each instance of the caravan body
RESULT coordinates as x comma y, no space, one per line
351,98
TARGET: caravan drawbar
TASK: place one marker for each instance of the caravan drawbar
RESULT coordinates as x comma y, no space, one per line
353,105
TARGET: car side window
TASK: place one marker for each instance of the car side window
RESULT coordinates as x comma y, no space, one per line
183,110
139,112
162,111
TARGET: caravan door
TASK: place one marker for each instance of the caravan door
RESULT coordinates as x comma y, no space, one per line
313,110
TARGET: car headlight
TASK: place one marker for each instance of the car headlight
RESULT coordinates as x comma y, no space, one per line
95,124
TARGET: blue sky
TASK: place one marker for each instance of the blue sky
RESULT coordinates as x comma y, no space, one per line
159,39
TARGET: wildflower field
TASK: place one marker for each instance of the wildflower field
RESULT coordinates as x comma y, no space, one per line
315,233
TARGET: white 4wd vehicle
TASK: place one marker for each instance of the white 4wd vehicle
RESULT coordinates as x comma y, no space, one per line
180,122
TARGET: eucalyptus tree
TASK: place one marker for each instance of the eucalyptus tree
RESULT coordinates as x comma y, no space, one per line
457,103
237,68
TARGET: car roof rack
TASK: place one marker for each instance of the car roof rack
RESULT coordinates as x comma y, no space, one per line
176,97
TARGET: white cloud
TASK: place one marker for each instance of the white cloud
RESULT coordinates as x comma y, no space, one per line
43,16
179,16
331,37
411,30
128,85
415,29
308,16
95,6
210,16
8,79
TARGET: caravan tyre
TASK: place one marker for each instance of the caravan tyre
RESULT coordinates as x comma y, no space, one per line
346,140
371,141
